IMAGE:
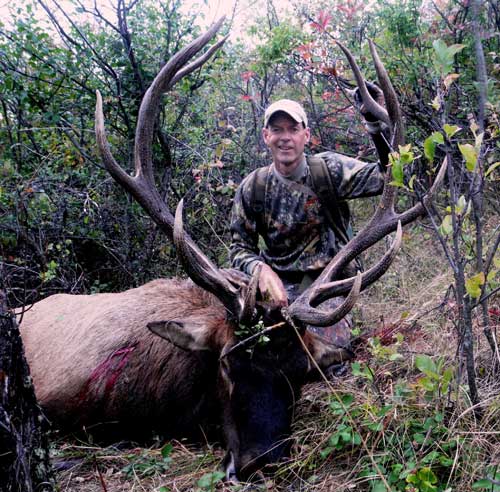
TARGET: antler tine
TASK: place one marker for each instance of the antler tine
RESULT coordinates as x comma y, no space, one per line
141,185
370,104
250,296
151,101
198,62
341,287
383,222
302,310
391,99
239,301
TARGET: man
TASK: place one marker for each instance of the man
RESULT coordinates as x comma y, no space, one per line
300,235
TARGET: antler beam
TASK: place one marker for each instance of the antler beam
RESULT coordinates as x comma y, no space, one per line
384,221
239,300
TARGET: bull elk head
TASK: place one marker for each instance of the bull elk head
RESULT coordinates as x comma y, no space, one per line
237,293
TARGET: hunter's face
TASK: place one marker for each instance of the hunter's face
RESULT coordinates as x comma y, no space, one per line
286,139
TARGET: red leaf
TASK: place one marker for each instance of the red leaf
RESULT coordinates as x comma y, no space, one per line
315,141
322,22
246,76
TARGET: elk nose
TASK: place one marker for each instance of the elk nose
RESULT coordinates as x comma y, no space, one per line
230,468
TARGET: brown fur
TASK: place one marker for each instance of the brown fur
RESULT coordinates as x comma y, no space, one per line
93,359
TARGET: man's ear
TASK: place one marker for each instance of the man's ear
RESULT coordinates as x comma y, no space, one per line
308,135
187,336
265,134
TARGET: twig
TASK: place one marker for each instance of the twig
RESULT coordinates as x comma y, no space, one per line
247,340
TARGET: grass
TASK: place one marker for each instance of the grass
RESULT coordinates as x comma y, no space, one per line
400,421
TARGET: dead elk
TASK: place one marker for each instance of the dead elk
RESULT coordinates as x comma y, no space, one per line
93,360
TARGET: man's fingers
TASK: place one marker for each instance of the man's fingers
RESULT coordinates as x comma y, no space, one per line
271,287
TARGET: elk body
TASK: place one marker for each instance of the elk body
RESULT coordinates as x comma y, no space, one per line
93,360
96,365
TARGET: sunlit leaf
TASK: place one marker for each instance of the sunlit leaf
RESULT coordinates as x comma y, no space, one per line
444,55
446,227
450,130
470,155
449,79
436,103
473,285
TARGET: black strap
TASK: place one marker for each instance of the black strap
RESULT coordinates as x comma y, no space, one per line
336,211
259,194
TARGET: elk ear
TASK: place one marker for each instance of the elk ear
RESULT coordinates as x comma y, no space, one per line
187,336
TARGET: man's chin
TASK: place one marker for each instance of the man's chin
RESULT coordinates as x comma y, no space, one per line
286,168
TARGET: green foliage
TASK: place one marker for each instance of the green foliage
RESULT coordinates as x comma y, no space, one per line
491,482
208,482
430,144
444,56
398,160
437,377
279,45
145,464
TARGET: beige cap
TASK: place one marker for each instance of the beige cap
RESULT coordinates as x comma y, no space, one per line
291,108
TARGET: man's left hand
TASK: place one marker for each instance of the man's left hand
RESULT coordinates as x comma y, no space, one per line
376,93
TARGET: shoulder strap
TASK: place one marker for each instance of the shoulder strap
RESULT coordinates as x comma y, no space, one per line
259,183
336,211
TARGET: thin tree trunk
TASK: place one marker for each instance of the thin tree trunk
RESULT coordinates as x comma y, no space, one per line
478,185
463,302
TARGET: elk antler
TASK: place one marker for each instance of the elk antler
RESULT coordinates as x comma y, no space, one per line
384,221
238,300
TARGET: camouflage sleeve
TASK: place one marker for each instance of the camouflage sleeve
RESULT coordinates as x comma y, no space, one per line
354,178
244,250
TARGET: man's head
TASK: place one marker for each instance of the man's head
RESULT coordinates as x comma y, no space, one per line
286,133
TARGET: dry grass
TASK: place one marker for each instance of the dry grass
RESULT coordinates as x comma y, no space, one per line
411,300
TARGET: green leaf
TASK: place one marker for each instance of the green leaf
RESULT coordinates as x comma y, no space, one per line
378,486
208,480
356,439
397,172
347,399
444,55
450,130
166,450
470,155
473,285
429,148
405,154
430,144
491,169
446,227
484,483
445,380
426,365
427,475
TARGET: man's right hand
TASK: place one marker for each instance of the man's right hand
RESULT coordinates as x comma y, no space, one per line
271,287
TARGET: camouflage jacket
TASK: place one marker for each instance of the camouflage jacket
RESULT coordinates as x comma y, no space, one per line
295,232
